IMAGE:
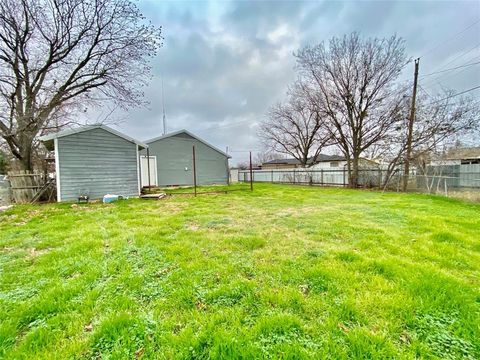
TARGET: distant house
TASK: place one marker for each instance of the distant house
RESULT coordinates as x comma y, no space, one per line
459,167
294,163
459,156
281,164
322,162
332,162
94,160
171,161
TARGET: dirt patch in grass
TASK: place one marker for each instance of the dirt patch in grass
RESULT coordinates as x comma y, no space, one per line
473,196
33,252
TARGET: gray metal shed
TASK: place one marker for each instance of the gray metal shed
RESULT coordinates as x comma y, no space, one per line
95,160
171,161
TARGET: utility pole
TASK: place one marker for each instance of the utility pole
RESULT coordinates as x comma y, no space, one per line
411,121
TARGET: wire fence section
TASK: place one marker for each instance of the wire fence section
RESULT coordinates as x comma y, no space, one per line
296,176
432,182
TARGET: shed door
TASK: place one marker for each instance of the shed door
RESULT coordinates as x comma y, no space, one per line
145,162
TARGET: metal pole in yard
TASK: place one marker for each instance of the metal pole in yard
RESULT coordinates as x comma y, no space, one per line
251,173
271,176
228,168
148,168
194,172
321,176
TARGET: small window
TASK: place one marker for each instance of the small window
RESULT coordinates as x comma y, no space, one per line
334,164
470,161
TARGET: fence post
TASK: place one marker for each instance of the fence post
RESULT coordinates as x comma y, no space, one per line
271,176
251,173
294,176
344,183
321,177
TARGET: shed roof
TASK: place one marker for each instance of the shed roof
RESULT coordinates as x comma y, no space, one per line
190,134
48,139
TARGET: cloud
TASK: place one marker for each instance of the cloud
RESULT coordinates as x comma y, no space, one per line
224,64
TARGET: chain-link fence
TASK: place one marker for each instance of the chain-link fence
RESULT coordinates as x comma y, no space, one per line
434,181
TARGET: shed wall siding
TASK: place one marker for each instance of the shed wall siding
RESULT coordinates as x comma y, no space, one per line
174,154
97,162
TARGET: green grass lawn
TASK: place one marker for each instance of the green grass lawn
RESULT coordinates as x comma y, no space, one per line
283,272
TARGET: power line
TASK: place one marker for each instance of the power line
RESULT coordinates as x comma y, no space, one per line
455,68
451,38
425,91
454,95
442,78
445,77
460,56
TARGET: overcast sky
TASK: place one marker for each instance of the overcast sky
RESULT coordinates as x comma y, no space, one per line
224,63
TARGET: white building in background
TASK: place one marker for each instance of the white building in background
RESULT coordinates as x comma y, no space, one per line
459,156
461,166
322,162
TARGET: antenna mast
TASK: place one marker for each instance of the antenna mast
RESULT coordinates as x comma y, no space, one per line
163,106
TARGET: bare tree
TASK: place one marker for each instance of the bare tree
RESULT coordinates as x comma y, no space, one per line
265,156
59,55
243,165
440,122
295,128
352,80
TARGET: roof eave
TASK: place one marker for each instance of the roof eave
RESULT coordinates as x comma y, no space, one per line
166,136
49,137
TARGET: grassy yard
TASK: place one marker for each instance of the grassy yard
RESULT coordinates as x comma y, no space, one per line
283,272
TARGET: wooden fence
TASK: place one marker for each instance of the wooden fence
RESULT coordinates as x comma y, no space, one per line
24,185
4,191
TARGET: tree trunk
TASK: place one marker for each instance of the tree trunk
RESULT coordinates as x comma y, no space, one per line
26,147
354,176
353,170
349,170
26,163
304,161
